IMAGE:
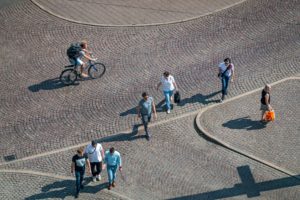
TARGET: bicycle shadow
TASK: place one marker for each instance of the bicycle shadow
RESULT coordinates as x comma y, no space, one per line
50,84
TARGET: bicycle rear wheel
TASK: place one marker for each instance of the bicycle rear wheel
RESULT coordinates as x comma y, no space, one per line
96,70
68,76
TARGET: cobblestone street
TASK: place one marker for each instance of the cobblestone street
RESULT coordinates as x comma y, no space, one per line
202,149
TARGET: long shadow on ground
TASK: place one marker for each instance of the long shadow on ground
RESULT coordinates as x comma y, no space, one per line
246,187
245,123
63,189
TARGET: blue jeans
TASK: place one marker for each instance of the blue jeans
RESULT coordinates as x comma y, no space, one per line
225,83
111,171
79,179
168,95
146,119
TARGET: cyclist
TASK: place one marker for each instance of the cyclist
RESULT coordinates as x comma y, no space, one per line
84,53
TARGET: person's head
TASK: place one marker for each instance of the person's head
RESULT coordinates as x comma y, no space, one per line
94,143
83,44
145,95
112,150
267,88
227,61
80,151
166,74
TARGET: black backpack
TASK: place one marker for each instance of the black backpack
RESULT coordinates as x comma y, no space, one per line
177,97
74,50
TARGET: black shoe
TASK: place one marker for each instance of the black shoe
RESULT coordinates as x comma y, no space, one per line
76,195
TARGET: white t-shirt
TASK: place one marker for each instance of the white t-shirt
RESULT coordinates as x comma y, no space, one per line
168,83
94,154
223,67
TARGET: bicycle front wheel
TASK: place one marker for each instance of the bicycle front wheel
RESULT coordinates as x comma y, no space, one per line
96,70
68,76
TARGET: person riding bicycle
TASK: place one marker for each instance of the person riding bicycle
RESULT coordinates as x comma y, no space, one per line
82,53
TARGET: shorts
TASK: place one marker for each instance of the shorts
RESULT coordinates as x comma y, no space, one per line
76,61
263,107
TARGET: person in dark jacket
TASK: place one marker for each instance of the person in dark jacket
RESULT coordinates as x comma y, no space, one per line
265,102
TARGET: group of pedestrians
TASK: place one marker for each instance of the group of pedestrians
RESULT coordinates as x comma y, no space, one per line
93,160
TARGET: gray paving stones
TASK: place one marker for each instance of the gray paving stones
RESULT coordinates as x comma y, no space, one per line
39,115
131,12
239,125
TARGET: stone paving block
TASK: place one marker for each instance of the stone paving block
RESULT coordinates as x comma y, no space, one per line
237,123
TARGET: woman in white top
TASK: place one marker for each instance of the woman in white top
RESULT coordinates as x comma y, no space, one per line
169,85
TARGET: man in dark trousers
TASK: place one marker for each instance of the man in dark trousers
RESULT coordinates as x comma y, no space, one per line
144,110
79,163
226,72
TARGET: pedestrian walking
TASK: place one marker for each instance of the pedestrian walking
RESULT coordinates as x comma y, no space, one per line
79,163
113,162
265,102
226,73
95,153
144,110
169,86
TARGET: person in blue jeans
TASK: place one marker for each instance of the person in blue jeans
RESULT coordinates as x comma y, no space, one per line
144,111
226,73
79,163
169,86
113,162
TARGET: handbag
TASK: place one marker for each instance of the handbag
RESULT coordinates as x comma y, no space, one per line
270,115
177,97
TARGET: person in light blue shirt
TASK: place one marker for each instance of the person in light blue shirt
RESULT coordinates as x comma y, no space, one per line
113,162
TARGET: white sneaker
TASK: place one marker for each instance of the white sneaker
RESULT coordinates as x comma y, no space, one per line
168,111
98,177
94,178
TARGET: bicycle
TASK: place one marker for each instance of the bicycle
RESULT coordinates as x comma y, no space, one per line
70,75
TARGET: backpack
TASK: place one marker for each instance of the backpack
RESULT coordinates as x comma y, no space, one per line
177,97
74,50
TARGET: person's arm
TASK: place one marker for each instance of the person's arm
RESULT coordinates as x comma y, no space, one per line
158,85
119,162
102,154
233,74
267,96
89,57
72,167
88,164
138,111
154,109
176,88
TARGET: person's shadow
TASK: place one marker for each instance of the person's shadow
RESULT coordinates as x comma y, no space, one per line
244,123
50,84
124,136
62,189
199,98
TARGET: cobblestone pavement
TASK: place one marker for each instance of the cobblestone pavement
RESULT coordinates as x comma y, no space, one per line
240,126
178,162
131,12
30,187
39,115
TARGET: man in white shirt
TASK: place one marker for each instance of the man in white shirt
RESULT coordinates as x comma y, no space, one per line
226,71
95,153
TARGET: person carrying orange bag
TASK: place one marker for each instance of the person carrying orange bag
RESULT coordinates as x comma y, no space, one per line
268,113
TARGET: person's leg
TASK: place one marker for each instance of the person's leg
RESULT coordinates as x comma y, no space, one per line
110,176
81,179
77,175
226,84
167,97
145,123
114,172
223,87
98,168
